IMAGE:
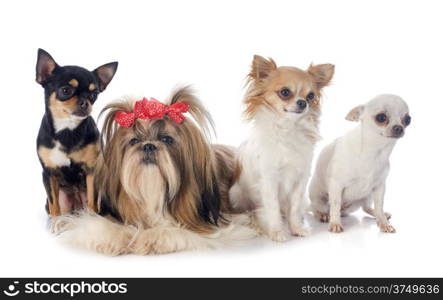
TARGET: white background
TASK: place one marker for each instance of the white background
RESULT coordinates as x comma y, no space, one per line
377,47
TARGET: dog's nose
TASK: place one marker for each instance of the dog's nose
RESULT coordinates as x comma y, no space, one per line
149,148
83,104
397,130
301,103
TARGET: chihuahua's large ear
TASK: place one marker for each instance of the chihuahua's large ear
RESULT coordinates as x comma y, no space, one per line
45,66
105,74
322,74
261,67
355,113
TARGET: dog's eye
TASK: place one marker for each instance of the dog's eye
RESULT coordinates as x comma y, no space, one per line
134,141
66,91
285,93
167,139
310,97
381,118
407,120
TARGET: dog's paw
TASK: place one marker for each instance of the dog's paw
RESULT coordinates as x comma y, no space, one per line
386,227
278,236
322,217
335,227
300,230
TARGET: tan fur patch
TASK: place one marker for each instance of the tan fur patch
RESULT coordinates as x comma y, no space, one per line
227,170
321,74
53,157
61,109
92,87
45,155
253,104
54,205
86,155
90,193
129,210
261,67
73,82
237,171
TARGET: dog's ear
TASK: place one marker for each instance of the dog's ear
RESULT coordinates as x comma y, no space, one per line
322,74
105,74
261,67
196,108
209,208
45,66
355,113
109,162
197,203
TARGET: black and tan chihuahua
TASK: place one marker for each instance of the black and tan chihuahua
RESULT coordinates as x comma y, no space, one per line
67,143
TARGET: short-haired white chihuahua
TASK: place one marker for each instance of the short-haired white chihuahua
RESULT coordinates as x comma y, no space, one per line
351,172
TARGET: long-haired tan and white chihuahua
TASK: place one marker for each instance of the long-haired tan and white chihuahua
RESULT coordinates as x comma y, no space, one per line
162,186
351,172
274,162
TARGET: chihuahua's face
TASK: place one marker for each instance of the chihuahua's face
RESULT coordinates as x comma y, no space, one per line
386,115
288,90
70,90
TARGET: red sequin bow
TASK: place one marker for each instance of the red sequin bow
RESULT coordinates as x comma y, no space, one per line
151,109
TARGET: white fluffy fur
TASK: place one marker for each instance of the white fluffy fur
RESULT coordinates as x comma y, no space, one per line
275,166
351,172
94,232
70,122
58,157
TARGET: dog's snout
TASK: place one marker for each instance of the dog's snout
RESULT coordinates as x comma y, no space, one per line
149,148
301,103
83,103
397,130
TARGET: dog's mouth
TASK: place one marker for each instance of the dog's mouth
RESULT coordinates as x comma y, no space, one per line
149,158
392,136
81,114
295,111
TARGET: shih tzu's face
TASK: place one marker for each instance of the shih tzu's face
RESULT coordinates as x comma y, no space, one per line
151,141
155,148
158,169
163,150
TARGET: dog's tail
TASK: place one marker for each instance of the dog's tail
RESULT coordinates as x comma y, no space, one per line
104,235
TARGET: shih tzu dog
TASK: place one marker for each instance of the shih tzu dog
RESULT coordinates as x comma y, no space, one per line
274,162
162,187
351,172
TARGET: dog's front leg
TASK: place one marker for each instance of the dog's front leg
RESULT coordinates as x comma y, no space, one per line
382,221
269,215
54,205
90,193
335,198
296,213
